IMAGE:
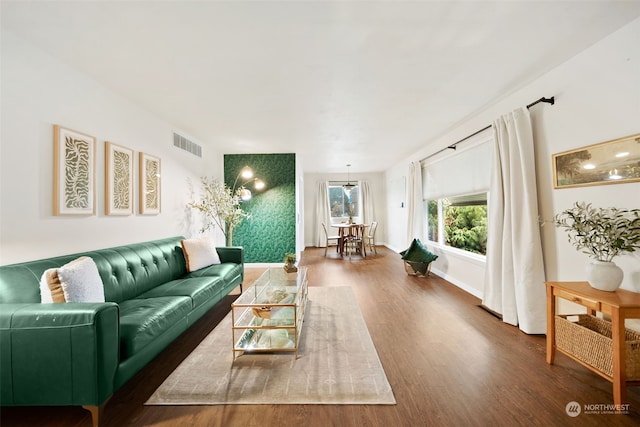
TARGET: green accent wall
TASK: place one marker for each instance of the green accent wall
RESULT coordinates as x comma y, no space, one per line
270,233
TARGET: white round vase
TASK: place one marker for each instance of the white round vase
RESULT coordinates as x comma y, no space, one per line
604,275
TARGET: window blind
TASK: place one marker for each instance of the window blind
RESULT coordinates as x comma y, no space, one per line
467,170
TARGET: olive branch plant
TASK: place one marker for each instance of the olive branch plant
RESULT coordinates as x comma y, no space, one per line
601,233
220,206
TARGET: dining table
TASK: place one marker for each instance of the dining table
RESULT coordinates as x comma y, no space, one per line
346,230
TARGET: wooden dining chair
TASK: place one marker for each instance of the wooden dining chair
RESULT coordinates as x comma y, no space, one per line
355,241
336,239
369,239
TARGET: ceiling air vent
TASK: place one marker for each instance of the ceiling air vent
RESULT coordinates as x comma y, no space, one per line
187,145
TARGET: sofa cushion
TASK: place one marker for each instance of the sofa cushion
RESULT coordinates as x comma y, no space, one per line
128,271
199,289
144,319
200,253
81,281
227,271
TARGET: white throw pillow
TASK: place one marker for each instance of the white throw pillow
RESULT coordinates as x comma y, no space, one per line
81,281
200,253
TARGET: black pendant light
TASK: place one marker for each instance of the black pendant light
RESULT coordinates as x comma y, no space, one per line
348,186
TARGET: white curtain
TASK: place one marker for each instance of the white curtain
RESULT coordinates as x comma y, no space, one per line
322,214
367,199
415,209
514,279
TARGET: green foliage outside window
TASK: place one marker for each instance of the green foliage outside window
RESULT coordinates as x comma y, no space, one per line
341,205
432,220
465,227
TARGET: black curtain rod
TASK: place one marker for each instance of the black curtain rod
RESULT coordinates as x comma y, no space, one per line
551,101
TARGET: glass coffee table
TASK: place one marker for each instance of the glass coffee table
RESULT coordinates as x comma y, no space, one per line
268,316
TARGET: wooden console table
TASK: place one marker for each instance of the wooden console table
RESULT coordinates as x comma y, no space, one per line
619,305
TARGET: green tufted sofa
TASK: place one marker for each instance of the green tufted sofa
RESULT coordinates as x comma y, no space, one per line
81,353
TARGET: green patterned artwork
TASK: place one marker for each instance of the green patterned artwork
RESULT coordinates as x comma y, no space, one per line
77,180
121,180
270,233
73,172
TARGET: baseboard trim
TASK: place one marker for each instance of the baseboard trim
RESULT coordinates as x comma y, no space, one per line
473,291
491,312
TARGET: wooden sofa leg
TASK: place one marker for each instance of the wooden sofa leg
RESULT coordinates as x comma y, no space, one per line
96,413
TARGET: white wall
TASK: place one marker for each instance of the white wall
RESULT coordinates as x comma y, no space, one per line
378,190
39,91
597,99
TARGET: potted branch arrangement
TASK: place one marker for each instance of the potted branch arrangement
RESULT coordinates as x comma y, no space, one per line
290,263
220,207
603,234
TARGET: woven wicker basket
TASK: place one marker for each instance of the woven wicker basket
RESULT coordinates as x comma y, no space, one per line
589,340
419,269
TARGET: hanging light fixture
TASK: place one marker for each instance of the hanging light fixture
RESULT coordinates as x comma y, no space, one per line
246,173
348,186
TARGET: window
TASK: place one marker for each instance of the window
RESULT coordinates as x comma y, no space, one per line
341,205
463,221
432,221
455,187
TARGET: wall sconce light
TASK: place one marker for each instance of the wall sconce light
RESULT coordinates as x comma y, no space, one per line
246,173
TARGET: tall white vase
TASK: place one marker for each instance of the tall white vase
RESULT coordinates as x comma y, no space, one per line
603,275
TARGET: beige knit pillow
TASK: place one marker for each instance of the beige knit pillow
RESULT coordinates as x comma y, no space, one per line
200,253
50,287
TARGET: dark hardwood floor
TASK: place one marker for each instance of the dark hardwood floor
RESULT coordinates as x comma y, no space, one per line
449,362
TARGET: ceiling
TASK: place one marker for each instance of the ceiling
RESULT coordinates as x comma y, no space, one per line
364,83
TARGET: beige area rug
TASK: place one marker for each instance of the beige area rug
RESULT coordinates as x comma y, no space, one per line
337,364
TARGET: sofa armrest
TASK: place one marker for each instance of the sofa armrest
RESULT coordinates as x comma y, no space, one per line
58,354
233,254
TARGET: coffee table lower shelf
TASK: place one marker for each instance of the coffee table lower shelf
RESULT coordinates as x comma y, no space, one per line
266,340
268,316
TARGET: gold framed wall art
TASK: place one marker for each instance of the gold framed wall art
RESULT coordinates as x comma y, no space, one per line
118,179
73,172
149,184
611,162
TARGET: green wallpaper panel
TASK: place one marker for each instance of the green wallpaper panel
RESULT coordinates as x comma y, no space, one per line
271,230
